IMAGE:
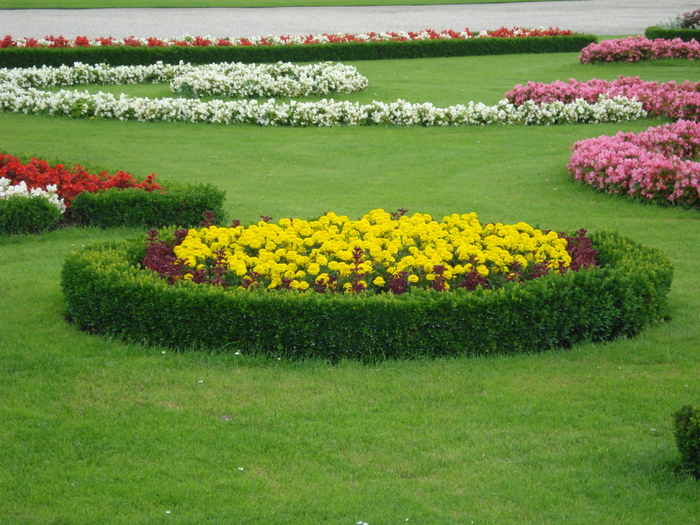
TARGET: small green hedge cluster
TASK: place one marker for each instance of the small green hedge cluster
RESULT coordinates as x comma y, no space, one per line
107,292
179,204
669,34
21,215
125,55
686,429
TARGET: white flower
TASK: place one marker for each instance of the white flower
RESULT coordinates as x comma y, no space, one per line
19,93
7,190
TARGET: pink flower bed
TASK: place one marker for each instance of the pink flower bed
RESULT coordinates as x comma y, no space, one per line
655,164
427,34
637,48
667,99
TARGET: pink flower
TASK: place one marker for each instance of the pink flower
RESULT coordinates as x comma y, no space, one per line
654,165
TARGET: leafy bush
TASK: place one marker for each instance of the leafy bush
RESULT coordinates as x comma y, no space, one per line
686,429
179,204
126,55
22,215
107,292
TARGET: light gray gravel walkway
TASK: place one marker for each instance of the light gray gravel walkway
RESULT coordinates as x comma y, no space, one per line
602,17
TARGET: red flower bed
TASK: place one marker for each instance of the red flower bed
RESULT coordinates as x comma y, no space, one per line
194,41
69,181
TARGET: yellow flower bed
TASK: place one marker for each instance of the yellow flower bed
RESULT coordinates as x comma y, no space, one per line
380,252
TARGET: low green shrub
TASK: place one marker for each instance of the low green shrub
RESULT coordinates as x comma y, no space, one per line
178,204
126,55
22,215
686,429
107,292
686,35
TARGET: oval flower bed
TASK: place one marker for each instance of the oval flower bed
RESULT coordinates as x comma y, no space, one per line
108,290
381,252
655,165
18,94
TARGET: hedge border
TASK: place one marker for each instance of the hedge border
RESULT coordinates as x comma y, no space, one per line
686,35
176,204
107,293
126,55
24,215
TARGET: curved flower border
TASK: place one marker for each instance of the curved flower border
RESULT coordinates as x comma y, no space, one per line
655,165
17,95
322,113
638,48
667,99
232,79
322,38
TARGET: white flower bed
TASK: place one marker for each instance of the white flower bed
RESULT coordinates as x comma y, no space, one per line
19,93
232,79
7,190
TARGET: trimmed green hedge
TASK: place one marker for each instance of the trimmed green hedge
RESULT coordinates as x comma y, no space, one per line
21,215
107,292
686,35
125,55
180,205
686,429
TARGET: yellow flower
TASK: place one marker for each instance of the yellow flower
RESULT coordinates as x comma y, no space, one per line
294,248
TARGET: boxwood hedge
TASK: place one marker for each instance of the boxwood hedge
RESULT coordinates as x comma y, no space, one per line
107,292
669,34
21,215
177,204
126,55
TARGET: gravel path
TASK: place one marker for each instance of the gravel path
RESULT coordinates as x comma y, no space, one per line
602,17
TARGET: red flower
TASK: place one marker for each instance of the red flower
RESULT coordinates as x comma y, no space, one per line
69,182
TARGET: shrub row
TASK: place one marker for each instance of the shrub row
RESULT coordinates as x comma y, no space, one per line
179,204
126,55
686,35
107,292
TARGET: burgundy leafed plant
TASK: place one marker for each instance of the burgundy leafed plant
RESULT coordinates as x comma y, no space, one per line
581,250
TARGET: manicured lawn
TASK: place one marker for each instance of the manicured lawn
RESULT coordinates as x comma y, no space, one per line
96,431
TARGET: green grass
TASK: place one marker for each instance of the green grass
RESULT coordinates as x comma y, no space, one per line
96,4
96,431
